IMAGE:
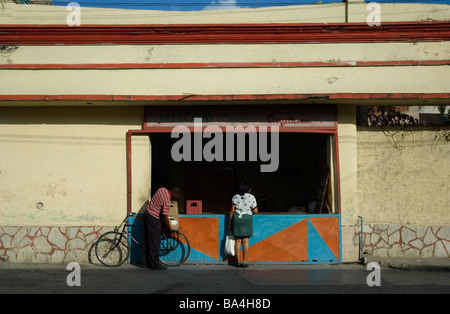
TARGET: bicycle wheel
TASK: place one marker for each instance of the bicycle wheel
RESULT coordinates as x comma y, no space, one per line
112,248
174,249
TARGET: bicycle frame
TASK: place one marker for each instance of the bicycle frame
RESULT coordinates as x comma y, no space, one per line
124,226
174,246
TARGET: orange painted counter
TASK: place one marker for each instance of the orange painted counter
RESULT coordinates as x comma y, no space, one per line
277,238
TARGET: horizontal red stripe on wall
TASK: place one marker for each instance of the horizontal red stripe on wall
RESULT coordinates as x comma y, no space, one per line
222,65
193,97
224,33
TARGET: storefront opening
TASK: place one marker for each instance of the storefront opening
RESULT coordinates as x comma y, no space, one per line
304,159
306,172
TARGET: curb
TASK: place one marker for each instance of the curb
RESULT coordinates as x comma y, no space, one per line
411,264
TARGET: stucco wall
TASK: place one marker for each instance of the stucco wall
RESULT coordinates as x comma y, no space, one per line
67,166
431,79
354,11
348,180
403,184
24,79
225,53
403,175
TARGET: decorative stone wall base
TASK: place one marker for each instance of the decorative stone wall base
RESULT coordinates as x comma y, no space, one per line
73,244
48,244
350,248
405,240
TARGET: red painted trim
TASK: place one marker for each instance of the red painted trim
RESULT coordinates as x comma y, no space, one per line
169,129
332,96
90,66
224,33
158,129
338,170
129,172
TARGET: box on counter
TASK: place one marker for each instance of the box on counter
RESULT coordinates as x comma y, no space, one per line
193,207
173,216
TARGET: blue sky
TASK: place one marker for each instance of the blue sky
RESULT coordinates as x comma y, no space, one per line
197,5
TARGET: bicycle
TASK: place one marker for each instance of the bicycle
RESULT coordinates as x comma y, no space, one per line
113,248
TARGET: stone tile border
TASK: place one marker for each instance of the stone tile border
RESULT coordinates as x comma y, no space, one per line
48,244
404,240
56,244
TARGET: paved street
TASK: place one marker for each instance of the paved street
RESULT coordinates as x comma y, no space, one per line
219,279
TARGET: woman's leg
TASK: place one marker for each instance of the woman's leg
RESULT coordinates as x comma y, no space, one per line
245,242
237,249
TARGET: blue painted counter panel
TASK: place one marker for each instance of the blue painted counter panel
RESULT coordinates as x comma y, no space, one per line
277,238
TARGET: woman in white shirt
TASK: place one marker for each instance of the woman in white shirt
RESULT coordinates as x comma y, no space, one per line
243,207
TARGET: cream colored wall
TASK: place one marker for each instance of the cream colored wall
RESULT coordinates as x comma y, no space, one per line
145,54
278,80
347,163
318,13
397,180
217,81
21,14
393,12
73,161
403,176
429,79
348,179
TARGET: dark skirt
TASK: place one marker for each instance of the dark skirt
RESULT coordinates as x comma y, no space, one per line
242,227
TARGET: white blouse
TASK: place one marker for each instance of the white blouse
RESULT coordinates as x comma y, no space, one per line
244,204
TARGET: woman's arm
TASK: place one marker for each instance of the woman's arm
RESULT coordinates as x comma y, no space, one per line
233,208
254,210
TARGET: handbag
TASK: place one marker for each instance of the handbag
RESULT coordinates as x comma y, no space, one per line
229,245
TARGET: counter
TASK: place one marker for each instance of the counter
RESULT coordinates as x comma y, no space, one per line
277,238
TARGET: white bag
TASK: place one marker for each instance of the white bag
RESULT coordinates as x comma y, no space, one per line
229,245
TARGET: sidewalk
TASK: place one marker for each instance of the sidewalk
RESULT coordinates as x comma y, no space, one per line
405,263
411,263
406,275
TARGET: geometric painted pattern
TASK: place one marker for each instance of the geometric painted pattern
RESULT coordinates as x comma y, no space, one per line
287,245
203,236
276,238
318,250
326,231
290,238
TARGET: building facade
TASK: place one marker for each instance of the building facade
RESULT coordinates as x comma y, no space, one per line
87,113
